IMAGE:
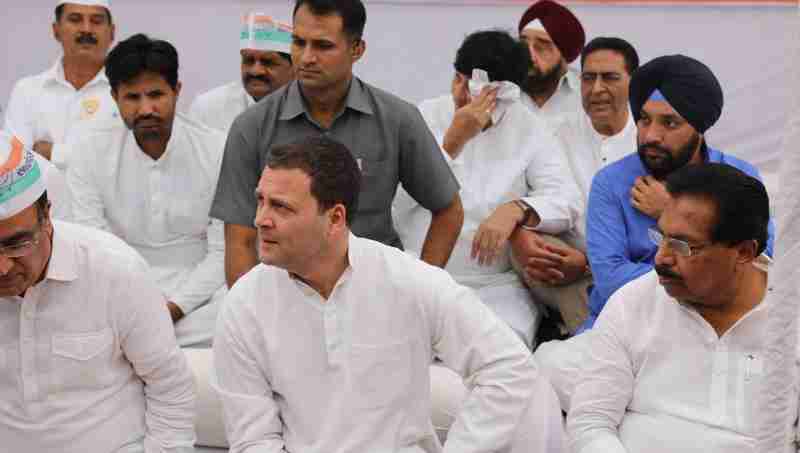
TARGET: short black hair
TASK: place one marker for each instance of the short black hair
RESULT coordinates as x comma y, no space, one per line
741,200
352,12
60,12
496,52
613,44
286,56
42,207
139,54
335,176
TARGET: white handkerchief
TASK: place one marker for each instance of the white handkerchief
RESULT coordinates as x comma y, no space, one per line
507,94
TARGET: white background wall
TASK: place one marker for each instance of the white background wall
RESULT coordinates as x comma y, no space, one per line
411,44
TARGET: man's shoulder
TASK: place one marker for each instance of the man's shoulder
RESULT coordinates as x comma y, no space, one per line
637,299
198,129
105,251
620,171
389,104
33,81
736,162
215,95
257,114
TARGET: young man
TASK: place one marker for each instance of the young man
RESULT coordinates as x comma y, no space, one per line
88,359
264,46
51,111
327,345
150,181
388,136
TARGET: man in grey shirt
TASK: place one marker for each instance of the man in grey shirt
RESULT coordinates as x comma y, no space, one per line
387,136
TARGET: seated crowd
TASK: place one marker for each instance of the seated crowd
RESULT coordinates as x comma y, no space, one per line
541,260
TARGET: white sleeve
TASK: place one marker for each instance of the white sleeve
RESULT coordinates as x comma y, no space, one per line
209,274
605,387
498,369
87,202
251,415
61,155
19,118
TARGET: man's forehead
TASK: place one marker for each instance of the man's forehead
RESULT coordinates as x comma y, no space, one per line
536,33
604,60
291,182
654,107
145,81
259,53
73,8
308,25
25,220
688,216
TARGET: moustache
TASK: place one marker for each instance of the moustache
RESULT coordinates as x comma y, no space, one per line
663,271
646,146
142,119
85,38
249,78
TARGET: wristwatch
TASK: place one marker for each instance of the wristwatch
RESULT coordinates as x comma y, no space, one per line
527,212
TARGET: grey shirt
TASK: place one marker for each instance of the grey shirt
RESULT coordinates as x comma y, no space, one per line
387,136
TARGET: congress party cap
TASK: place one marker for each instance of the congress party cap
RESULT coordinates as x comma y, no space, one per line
262,32
22,181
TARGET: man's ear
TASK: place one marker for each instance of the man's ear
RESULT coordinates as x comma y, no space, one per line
337,215
747,251
56,34
358,49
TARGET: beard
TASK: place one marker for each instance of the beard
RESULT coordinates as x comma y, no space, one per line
539,81
666,163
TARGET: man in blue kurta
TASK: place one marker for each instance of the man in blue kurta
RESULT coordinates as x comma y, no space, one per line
674,101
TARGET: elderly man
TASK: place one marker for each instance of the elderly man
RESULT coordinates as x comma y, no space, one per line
677,354
674,100
555,38
88,361
333,324
511,169
557,272
150,181
51,111
266,66
388,137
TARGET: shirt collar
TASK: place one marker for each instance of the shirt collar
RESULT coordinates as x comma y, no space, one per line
570,80
62,265
248,100
295,105
56,75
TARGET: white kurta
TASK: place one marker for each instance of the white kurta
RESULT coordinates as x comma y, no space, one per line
88,361
351,373
660,380
218,108
47,107
587,152
160,207
564,102
516,159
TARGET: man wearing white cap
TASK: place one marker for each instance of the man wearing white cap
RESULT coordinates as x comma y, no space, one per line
52,110
151,183
266,66
88,361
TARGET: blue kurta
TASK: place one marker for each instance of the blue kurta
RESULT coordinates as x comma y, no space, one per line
618,244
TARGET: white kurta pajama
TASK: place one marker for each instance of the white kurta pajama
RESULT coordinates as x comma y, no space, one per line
47,107
564,102
160,207
517,158
297,373
218,108
88,362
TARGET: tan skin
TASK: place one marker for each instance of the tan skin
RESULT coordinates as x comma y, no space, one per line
545,56
82,59
19,274
604,91
718,280
264,72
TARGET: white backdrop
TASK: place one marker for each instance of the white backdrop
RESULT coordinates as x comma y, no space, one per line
411,44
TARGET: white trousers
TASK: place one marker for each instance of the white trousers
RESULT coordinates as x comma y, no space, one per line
512,302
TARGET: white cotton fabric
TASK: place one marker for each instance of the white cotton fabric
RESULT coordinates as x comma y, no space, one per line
104,3
507,92
88,359
565,101
658,378
218,108
160,208
352,373
47,107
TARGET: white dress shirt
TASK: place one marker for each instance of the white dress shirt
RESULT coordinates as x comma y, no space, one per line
88,360
565,101
351,373
587,152
47,107
518,158
218,108
160,207
660,380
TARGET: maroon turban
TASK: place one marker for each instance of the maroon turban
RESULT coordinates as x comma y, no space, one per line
563,27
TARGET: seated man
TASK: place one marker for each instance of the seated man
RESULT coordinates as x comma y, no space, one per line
511,170
88,361
601,133
326,346
674,100
151,183
264,46
678,353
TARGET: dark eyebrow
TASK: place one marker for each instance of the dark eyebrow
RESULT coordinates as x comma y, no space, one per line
18,237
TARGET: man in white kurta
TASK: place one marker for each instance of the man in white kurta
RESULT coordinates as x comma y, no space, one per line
52,111
326,345
88,361
264,46
159,205
677,355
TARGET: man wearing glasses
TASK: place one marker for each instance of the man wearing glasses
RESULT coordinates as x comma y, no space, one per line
88,358
677,354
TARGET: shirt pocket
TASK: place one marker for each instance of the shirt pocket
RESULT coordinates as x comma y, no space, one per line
81,360
380,374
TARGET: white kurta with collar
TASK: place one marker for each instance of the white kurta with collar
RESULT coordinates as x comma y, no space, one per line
565,101
218,108
47,107
160,207
351,373
88,361
659,379
518,158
